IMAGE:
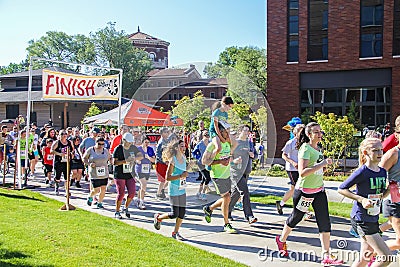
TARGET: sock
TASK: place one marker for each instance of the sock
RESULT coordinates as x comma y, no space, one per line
282,203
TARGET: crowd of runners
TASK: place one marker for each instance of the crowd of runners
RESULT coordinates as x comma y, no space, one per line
224,157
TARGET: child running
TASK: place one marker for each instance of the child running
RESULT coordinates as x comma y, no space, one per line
48,158
174,153
220,114
370,181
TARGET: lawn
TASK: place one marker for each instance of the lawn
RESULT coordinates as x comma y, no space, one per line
335,208
33,232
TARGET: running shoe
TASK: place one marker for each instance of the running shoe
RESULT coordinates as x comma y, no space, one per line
127,213
329,261
142,206
118,215
279,207
239,205
89,201
198,195
47,181
252,219
177,236
77,184
207,213
229,229
353,233
203,197
100,205
156,222
282,247
57,191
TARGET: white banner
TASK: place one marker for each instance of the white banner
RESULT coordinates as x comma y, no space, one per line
65,86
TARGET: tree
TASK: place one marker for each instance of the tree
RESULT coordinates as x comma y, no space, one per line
251,61
60,46
192,110
92,111
338,134
116,51
260,120
353,115
13,68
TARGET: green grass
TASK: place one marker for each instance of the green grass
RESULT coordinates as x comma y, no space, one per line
335,208
33,232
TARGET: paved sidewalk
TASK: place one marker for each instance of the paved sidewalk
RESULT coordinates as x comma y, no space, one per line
254,245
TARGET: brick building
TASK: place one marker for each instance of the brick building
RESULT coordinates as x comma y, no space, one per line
324,55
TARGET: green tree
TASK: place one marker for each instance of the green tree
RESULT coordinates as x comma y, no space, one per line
93,110
191,110
115,50
260,120
338,134
60,46
14,67
353,115
238,115
251,61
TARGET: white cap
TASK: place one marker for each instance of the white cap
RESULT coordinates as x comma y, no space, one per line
128,137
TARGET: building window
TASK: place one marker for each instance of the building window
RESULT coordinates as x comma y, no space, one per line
12,111
293,31
371,30
152,56
175,97
317,30
175,83
169,97
396,28
21,83
170,83
212,95
158,84
190,95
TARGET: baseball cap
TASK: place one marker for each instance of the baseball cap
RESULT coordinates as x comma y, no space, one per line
95,130
128,137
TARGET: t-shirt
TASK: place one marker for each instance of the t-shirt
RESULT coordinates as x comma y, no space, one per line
145,163
221,115
48,158
162,143
124,171
367,182
175,188
219,171
314,180
242,149
22,142
100,171
291,150
86,143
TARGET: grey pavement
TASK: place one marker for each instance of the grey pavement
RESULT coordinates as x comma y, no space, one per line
253,245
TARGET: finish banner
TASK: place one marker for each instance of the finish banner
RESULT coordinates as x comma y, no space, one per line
65,86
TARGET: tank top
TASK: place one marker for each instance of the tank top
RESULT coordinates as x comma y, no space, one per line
100,171
394,172
61,148
175,188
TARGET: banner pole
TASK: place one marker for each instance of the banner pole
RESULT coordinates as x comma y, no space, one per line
120,99
28,119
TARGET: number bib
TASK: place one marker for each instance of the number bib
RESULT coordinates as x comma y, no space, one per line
126,168
377,201
145,168
64,158
304,203
50,157
101,171
182,184
394,191
23,154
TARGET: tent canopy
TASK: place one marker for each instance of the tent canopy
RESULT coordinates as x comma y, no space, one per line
134,113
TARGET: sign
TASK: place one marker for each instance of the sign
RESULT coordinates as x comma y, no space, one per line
66,86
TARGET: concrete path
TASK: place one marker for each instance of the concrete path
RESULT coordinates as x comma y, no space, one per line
254,245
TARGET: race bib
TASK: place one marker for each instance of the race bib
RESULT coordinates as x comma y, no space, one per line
304,203
145,168
182,183
101,171
377,201
126,168
50,157
64,158
23,154
394,191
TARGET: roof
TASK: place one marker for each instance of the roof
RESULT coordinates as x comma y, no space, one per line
141,36
172,72
38,72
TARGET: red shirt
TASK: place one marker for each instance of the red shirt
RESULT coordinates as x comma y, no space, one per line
115,142
389,143
47,156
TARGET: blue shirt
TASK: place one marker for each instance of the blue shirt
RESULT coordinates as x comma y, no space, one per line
179,168
367,182
221,115
198,152
150,153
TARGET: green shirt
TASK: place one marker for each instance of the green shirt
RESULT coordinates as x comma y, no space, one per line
22,142
314,180
219,171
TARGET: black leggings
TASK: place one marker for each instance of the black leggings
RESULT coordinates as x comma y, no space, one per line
178,207
205,177
320,206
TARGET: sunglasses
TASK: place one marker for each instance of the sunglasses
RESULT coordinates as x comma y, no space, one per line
64,134
100,144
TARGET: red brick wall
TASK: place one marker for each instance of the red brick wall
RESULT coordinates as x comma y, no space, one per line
343,54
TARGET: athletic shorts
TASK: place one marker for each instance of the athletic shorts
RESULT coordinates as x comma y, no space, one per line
99,182
293,176
222,186
365,228
48,168
391,209
161,171
143,175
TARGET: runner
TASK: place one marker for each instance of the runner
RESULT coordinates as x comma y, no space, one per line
370,180
220,174
161,166
77,165
124,158
143,169
97,158
174,154
309,190
204,174
48,159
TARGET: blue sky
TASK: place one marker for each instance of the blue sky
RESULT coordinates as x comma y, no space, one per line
197,30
